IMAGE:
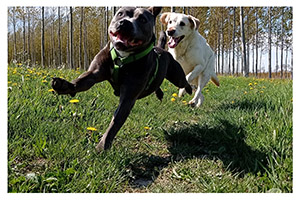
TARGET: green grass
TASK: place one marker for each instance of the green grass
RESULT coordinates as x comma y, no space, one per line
239,140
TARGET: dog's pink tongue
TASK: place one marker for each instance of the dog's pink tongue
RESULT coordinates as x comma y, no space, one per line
172,43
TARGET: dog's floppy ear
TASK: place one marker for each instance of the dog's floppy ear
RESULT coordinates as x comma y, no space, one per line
164,18
155,10
195,23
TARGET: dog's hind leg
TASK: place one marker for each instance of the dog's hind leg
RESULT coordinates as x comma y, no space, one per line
198,97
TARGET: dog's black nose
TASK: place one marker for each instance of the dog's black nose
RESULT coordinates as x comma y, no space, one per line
170,33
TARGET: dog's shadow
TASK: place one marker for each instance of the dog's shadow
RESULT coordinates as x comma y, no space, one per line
187,141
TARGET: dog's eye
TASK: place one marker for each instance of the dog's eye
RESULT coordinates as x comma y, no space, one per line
170,22
142,19
120,14
182,24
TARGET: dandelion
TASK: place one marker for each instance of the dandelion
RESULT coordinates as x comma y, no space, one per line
51,90
207,90
251,88
14,84
261,91
232,102
250,84
184,102
255,83
44,81
147,128
91,129
174,95
74,101
245,92
173,99
8,82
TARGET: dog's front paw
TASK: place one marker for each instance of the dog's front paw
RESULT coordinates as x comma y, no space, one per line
62,86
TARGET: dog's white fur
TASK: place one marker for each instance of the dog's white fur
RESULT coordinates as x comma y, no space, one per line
193,53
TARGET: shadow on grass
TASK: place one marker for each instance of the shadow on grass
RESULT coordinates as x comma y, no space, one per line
187,141
226,142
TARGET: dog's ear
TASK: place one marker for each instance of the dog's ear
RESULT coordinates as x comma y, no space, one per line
155,10
164,18
195,23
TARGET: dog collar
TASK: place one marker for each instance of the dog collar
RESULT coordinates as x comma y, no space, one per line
119,62
131,58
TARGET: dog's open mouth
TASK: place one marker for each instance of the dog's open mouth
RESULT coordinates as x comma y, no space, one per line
124,40
173,42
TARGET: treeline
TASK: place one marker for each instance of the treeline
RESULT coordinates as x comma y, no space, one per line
72,36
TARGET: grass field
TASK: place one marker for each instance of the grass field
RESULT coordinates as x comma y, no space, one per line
239,140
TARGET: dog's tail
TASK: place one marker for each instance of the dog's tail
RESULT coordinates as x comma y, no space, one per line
162,40
215,79
213,74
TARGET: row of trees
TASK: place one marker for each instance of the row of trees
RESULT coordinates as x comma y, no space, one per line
72,36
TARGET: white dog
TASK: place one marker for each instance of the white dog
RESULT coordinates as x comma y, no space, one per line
190,49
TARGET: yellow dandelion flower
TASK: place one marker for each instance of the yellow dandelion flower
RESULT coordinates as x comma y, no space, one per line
245,92
14,84
174,95
51,90
8,82
251,88
255,83
232,102
147,128
184,102
74,101
207,90
173,99
250,84
91,129
44,81
261,91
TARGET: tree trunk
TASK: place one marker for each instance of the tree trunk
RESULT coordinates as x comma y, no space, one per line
86,62
28,35
282,44
59,36
222,36
68,40
80,36
43,39
228,47
244,60
52,40
71,39
24,35
256,42
15,36
233,40
270,44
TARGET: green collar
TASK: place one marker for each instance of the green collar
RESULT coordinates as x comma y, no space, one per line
131,58
119,62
